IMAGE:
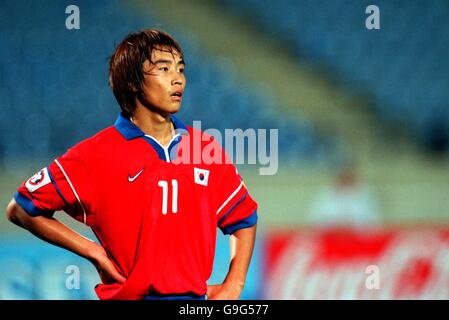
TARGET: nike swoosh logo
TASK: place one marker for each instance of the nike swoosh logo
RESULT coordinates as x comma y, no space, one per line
131,179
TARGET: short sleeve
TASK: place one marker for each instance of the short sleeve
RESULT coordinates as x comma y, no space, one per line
235,207
63,185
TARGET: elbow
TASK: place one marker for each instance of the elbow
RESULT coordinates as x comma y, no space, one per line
11,211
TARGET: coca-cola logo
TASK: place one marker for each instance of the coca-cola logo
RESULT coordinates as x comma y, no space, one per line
410,264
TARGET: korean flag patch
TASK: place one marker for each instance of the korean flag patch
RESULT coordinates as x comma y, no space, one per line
40,179
201,176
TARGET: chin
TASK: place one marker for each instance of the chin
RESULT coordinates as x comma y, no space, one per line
166,110
174,108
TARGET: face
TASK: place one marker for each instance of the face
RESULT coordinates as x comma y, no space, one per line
164,81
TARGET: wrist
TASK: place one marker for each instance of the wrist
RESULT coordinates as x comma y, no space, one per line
234,283
93,251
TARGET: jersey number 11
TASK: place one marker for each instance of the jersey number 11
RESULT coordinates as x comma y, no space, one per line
174,201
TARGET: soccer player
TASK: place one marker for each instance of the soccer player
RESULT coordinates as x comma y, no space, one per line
155,217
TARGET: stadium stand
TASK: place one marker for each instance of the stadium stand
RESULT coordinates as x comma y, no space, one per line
55,92
403,66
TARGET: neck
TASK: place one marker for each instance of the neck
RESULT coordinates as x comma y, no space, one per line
157,125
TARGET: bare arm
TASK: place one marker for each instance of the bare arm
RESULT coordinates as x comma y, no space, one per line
58,234
241,245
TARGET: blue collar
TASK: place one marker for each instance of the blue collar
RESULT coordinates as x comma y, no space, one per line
130,131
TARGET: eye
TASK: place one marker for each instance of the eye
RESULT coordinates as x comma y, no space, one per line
181,70
163,69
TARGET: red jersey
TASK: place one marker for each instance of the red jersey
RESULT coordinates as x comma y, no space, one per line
156,219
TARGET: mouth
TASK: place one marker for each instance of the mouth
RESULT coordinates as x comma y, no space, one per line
177,95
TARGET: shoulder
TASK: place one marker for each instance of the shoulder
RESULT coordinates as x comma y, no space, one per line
206,139
96,144
209,145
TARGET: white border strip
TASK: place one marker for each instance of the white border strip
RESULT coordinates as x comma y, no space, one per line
73,189
230,197
167,155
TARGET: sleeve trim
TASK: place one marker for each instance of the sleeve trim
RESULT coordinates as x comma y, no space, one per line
230,197
73,189
56,186
242,224
232,208
29,207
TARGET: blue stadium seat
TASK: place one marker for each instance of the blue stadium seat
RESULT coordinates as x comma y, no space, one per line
403,65
56,90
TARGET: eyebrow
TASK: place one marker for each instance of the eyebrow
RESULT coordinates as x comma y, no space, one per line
160,61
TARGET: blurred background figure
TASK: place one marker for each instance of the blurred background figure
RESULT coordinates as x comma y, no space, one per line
348,201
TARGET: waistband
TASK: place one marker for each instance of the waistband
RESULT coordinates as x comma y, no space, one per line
182,296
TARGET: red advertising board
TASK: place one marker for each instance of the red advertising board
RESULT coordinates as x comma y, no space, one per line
343,263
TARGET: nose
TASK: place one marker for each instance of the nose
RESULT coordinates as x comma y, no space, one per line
178,78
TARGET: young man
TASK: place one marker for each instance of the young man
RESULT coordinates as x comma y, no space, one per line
155,217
